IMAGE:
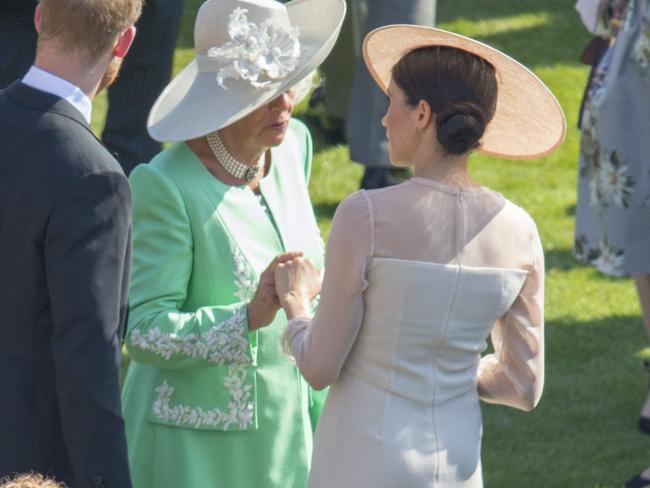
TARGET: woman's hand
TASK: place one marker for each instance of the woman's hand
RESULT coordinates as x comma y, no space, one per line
265,304
297,281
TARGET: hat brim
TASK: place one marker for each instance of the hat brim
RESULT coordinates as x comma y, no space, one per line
193,104
528,122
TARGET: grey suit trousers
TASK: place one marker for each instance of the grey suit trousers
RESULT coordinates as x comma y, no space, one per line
355,89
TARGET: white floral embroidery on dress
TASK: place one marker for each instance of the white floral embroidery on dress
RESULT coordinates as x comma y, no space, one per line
610,259
641,51
611,181
589,142
270,49
226,343
245,278
240,413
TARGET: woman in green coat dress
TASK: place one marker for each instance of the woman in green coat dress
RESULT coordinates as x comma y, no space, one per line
209,399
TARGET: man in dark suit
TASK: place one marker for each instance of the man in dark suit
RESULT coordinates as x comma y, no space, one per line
64,253
145,72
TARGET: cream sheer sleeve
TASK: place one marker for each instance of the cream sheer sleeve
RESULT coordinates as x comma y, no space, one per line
321,345
514,374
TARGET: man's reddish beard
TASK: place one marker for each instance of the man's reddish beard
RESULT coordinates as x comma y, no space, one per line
112,70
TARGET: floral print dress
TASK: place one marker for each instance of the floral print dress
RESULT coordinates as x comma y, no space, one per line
613,210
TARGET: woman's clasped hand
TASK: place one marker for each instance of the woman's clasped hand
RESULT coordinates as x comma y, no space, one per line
297,282
265,303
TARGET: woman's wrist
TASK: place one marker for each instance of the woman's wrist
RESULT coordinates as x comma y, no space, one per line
254,322
259,313
295,305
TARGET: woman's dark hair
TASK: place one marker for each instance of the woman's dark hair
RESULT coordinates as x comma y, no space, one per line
460,87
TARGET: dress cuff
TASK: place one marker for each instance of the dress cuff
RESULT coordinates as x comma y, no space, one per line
294,327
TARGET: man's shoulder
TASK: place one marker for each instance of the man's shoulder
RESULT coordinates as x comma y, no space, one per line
52,140
71,151
75,148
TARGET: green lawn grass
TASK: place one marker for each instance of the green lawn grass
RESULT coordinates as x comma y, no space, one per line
583,434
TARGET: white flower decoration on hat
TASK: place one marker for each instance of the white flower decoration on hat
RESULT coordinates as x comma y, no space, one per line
269,50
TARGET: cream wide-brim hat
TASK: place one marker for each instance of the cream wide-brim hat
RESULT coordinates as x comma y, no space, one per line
528,122
193,104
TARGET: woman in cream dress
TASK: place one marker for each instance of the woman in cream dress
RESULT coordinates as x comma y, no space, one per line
420,274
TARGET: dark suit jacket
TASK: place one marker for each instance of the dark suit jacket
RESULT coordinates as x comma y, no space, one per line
65,223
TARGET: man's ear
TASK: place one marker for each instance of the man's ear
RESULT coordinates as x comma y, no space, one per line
123,42
37,19
424,115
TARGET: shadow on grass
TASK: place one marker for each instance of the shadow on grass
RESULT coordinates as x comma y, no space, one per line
561,259
564,260
325,210
585,424
583,341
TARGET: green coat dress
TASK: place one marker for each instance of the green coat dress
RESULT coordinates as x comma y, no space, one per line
206,403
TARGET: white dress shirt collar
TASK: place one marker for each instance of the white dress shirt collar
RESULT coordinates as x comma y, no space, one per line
47,82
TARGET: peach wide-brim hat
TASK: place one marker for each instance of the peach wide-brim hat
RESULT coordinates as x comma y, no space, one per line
194,103
528,122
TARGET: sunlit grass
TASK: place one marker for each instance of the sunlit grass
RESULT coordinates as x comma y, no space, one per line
498,25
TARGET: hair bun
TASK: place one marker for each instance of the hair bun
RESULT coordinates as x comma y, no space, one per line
460,127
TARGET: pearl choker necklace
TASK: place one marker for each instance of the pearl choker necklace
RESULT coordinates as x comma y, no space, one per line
233,166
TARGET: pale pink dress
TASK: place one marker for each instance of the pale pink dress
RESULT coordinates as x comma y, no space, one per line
417,277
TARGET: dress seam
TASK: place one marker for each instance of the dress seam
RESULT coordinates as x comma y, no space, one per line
459,236
371,218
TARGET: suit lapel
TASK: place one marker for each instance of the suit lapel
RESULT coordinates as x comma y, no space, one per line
288,201
286,195
250,227
237,208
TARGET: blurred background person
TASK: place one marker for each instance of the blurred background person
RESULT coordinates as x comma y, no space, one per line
353,103
145,73
612,230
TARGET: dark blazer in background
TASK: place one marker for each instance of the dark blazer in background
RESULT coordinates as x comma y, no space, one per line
17,39
145,72
65,220
368,104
